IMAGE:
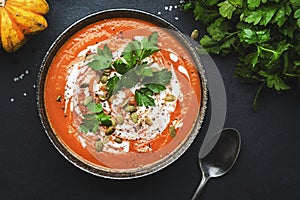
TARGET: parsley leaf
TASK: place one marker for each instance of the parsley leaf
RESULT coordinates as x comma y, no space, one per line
90,124
155,87
261,16
281,15
96,117
250,36
274,81
252,4
295,3
104,119
226,9
95,107
102,59
143,99
218,29
131,53
136,50
128,80
162,77
149,46
121,67
112,85
143,95
143,71
204,13
297,16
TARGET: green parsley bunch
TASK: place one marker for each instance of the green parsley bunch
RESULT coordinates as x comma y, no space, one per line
265,34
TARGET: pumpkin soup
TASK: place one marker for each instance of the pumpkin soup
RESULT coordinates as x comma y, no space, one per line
122,93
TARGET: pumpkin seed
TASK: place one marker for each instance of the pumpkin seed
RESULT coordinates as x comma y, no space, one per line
124,103
98,145
84,85
105,139
107,72
170,98
134,117
130,109
87,100
148,121
172,131
110,130
113,122
118,140
195,34
120,119
103,79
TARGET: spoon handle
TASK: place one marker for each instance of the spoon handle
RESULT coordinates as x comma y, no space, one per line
200,187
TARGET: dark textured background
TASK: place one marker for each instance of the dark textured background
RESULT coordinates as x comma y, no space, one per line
31,168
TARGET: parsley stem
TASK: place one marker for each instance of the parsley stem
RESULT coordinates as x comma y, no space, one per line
266,49
286,66
229,35
257,95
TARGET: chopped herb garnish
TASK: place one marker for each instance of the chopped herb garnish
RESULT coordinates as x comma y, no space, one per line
162,77
143,95
129,79
95,107
149,45
121,67
136,50
96,117
143,70
104,119
134,70
112,84
89,124
102,60
146,91
155,87
143,99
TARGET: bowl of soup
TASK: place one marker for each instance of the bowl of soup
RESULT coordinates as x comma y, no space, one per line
121,93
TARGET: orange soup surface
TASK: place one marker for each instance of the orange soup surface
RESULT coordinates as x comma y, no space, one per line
122,93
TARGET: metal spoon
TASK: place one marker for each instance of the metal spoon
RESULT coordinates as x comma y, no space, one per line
218,155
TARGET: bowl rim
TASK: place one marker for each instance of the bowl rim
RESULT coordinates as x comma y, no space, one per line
55,140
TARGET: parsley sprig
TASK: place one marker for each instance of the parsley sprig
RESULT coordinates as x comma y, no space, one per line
134,70
143,95
263,33
135,52
95,117
102,60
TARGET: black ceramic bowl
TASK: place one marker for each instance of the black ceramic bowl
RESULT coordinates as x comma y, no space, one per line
73,158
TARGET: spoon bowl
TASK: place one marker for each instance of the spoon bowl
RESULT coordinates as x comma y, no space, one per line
218,156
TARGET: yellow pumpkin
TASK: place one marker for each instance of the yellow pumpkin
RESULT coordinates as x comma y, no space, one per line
19,18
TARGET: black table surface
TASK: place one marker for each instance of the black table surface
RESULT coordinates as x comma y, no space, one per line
31,168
